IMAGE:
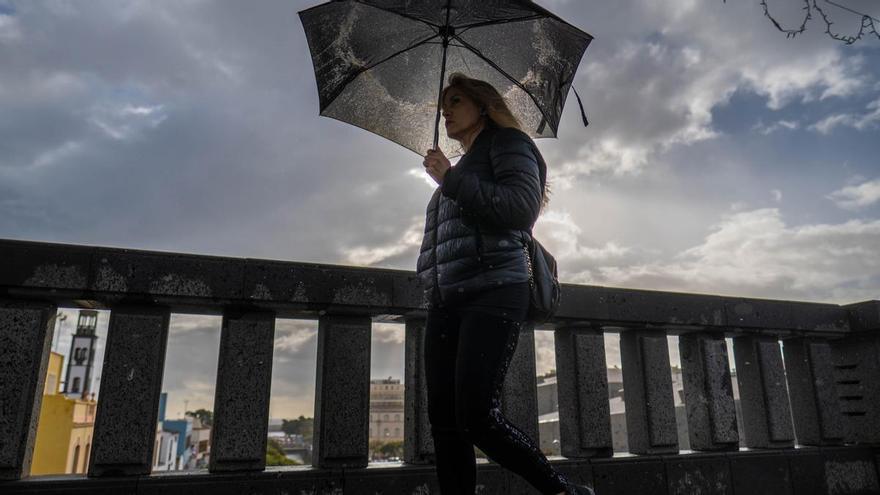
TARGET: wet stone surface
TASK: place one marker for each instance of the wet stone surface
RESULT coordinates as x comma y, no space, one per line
342,393
125,426
25,336
241,415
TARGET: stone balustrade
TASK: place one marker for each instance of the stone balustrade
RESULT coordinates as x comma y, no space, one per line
810,407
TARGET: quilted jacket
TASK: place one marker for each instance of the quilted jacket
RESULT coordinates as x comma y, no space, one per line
479,218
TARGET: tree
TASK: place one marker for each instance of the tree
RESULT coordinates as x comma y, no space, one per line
831,12
204,415
275,455
300,426
380,449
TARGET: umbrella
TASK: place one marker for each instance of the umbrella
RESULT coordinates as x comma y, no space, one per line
378,62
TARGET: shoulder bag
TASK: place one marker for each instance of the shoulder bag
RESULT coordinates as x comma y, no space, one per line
545,292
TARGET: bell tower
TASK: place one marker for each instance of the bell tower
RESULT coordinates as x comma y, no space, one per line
82,356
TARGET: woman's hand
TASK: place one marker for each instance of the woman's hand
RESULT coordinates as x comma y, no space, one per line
436,164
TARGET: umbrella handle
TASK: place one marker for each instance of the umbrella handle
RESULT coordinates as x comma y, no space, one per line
442,75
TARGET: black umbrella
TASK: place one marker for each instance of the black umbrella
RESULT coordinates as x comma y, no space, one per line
378,62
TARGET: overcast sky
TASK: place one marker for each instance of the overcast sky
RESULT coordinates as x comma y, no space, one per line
721,157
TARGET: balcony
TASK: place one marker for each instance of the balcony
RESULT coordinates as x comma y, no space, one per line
810,407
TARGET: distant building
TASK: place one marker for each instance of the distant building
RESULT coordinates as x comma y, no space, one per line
386,409
183,458
165,449
201,444
64,433
81,359
180,443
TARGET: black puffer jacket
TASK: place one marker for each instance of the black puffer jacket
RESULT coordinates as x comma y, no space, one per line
478,219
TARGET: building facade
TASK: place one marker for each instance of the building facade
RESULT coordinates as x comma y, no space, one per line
386,410
65,428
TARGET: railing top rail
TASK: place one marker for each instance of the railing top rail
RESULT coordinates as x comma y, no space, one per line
94,276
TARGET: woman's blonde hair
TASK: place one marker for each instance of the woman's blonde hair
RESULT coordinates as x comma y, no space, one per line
498,114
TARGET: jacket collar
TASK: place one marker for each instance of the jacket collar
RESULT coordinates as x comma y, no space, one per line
484,135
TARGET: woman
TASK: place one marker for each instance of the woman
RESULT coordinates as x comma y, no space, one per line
475,275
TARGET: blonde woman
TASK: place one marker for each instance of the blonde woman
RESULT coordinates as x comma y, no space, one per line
475,274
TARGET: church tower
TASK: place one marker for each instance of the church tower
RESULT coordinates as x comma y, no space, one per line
82,356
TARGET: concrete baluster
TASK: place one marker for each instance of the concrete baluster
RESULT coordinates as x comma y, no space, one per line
342,393
763,396
811,385
647,385
241,398
131,382
582,384
519,395
26,330
418,445
708,392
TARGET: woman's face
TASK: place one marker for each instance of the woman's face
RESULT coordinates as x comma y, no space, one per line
461,113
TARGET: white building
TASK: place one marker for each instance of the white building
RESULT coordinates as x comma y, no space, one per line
165,449
386,409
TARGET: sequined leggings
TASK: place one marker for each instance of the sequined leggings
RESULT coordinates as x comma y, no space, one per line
466,358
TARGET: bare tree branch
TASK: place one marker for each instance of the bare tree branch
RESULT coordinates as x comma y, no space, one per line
867,25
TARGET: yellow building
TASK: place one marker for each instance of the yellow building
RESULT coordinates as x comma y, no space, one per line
64,433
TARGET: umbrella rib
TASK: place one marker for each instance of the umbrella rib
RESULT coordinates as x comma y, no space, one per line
356,74
505,74
499,21
440,43
423,42
400,14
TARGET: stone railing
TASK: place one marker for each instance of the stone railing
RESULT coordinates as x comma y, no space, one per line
820,389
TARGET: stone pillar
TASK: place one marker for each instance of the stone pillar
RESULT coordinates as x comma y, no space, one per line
708,392
763,397
647,385
342,393
519,401
131,381
811,385
241,398
582,384
26,330
418,444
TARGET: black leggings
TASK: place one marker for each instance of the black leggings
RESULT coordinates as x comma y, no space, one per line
466,359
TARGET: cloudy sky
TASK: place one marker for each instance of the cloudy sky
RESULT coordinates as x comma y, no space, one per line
721,158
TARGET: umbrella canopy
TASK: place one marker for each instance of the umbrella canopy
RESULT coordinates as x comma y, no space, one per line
380,64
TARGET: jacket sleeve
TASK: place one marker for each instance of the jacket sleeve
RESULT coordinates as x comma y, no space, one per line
513,199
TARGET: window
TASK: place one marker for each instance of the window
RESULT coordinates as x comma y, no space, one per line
73,468
86,457
161,449
75,384
397,432
397,417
